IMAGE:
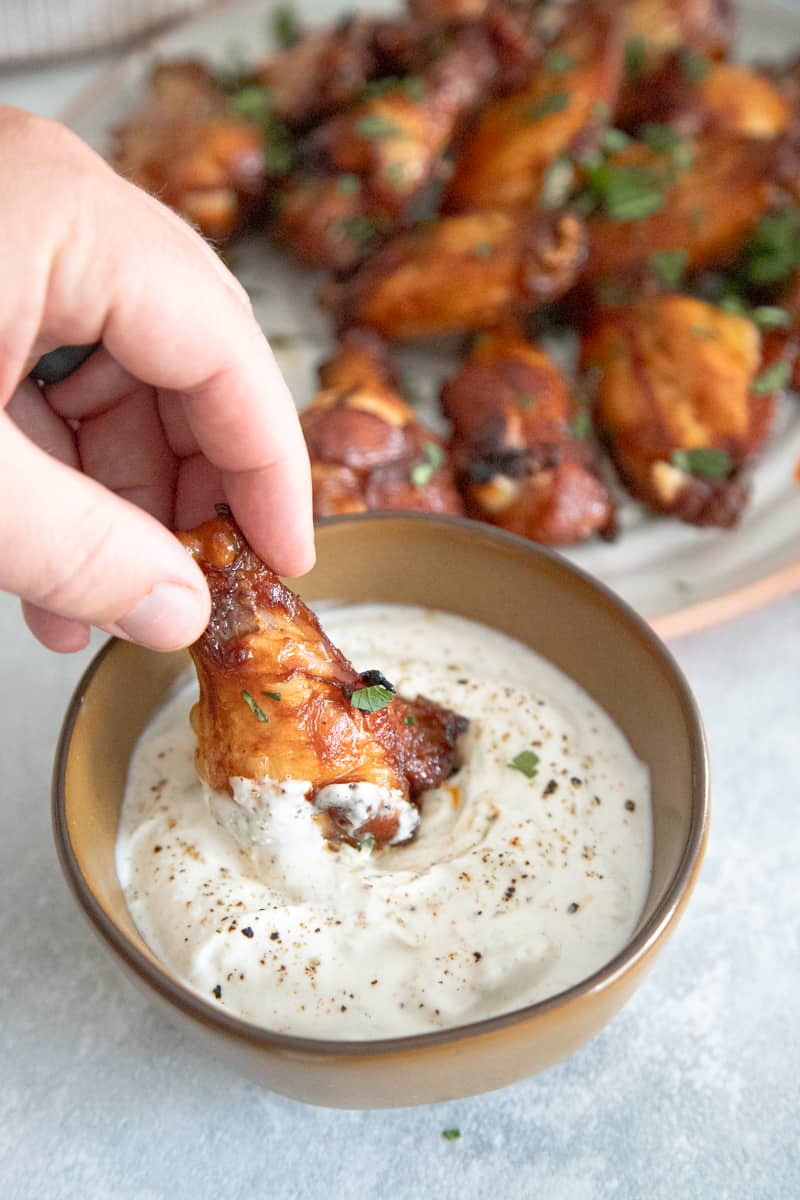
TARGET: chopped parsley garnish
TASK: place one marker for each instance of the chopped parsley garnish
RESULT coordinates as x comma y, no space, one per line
581,425
557,183
707,462
558,61
635,56
423,472
770,316
526,762
525,400
254,707
773,379
482,249
669,266
363,230
375,126
272,695
367,843
285,26
451,1135
773,252
372,699
555,102
396,173
410,720
664,139
626,193
614,140
412,85
348,184
694,66
254,104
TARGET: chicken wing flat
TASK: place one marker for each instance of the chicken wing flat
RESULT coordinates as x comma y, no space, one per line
522,444
517,139
650,200
279,702
681,403
368,450
460,273
188,146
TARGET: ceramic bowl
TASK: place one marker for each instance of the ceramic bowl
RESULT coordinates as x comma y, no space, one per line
489,576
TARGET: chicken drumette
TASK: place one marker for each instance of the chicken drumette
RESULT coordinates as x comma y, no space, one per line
523,445
279,702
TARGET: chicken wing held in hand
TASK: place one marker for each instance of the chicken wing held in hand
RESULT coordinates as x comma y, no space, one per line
522,444
279,702
683,403
368,450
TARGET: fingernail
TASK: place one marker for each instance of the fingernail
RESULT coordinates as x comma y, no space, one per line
165,619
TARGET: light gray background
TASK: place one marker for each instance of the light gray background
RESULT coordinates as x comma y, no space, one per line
693,1091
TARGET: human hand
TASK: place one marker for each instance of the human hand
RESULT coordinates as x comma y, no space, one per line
182,406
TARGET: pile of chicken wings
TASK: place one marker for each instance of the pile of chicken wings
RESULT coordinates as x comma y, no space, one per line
494,170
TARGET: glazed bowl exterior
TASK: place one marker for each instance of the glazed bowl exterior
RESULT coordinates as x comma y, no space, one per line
488,576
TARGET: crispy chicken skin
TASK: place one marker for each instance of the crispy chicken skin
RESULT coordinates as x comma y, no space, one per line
520,461
516,140
706,211
368,451
329,221
264,652
460,273
187,146
728,99
320,73
678,374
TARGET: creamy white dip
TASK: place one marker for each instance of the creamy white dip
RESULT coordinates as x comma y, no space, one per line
514,888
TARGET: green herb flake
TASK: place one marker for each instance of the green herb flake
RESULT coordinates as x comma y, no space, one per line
451,1135
601,112
254,103
371,699
555,102
694,66
254,707
626,193
669,266
525,401
375,126
615,140
702,331
272,695
706,462
482,249
349,185
396,174
367,844
581,425
558,61
409,720
773,379
423,472
526,762
411,85
635,56
285,26
664,139
770,316
557,183
363,230
773,252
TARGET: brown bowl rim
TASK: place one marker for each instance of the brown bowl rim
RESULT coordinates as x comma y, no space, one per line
193,1005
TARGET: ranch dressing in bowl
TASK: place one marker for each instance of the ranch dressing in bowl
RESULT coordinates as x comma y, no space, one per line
529,870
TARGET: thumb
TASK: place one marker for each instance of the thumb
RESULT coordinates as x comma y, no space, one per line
76,550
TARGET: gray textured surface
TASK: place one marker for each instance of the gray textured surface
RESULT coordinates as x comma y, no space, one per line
694,1090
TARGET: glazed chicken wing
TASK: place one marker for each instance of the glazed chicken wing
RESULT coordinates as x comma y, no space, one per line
522,444
702,207
188,146
368,451
517,139
278,701
460,273
682,403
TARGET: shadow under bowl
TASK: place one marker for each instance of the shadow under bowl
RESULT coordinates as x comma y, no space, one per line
490,577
